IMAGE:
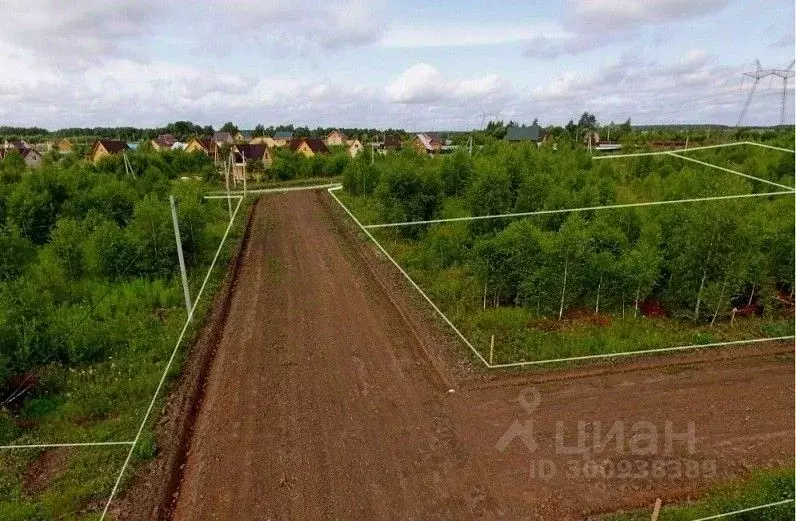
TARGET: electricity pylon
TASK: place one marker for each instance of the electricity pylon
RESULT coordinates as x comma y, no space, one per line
758,74
785,74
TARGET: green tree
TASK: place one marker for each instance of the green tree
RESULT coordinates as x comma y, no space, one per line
18,251
456,172
152,234
409,194
66,246
229,127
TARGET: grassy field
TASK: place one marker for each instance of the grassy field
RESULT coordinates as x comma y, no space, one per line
532,331
763,487
104,400
751,160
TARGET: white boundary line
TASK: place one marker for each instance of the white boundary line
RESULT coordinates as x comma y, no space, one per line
538,362
734,512
55,445
639,154
405,274
645,351
661,152
583,209
276,190
168,364
769,146
730,171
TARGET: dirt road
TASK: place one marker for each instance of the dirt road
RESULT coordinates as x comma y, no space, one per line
321,404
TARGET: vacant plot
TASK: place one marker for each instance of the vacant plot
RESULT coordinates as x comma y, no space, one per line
89,317
665,254
770,164
323,402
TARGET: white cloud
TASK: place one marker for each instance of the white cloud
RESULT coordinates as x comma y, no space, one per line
594,24
77,30
616,14
424,84
464,35
301,26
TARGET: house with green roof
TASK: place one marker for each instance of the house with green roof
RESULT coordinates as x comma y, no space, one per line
533,133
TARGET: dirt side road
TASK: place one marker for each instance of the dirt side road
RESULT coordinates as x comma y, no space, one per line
320,404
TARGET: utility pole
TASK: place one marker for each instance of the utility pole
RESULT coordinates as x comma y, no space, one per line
245,174
229,201
128,168
184,275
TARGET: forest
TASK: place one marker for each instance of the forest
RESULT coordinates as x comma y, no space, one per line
565,283
90,307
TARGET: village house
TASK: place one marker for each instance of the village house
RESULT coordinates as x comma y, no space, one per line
283,137
336,138
15,144
263,140
204,146
308,147
390,144
63,145
520,133
160,144
591,137
244,153
426,143
166,139
243,136
355,147
30,156
106,147
223,137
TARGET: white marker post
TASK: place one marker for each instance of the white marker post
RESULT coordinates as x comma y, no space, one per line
229,201
179,255
656,510
245,173
491,349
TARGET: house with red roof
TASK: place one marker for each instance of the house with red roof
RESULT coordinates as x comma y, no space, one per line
106,147
308,147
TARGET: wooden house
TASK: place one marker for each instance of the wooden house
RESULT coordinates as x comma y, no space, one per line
308,147
283,137
242,136
242,154
159,144
223,137
426,143
336,138
263,140
30,156
106,147
64,146
355,148
204,146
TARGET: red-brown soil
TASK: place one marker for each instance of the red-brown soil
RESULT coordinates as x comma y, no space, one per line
328,398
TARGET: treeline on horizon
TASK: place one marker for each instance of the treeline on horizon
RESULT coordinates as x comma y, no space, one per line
184,130
698,261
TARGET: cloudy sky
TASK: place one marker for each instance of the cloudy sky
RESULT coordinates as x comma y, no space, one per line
412,64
